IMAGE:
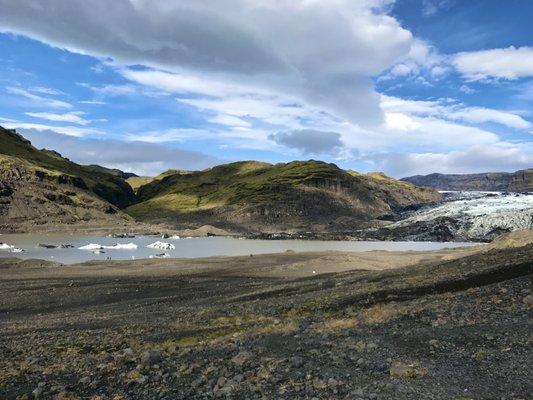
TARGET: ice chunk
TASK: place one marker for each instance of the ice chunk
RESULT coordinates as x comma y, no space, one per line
91,246
161,246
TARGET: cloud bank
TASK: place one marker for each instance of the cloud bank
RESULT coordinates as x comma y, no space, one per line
139,157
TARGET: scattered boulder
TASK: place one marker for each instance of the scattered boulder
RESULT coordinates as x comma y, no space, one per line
410,371
242,358
152,357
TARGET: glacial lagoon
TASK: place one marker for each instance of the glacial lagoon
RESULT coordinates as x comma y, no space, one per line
78,249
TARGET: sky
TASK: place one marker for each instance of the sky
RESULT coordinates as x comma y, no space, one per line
400,86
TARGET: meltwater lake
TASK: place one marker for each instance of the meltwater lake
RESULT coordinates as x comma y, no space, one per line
84,248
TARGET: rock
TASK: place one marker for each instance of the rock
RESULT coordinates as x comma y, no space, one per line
152,357
242,358
304,324
38,391
47,246
528,300
85,380
297,361
410,371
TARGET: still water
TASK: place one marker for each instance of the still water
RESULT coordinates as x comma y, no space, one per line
136,248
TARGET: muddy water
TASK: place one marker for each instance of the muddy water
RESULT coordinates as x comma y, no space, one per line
186,247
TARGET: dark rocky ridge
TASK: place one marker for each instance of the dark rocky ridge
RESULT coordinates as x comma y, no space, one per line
519,181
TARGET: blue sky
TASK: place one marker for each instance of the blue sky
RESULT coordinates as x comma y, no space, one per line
405,86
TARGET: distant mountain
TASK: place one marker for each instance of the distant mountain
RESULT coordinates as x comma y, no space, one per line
260,196
40,187
137,181
112,171
519,181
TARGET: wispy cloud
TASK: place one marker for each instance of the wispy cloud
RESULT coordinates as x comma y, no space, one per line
36,99
74,117
75,131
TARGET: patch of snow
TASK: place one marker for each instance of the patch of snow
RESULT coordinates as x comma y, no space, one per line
161,246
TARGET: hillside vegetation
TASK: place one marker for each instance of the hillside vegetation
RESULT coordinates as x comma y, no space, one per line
39,187
253,194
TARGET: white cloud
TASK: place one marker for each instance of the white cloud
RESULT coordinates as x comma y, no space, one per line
229,120
421,62
500,156
323,53
74,117
36,99
64,130
507,63
45,90
138,157
467,89
481,114
93,102
168,135
309,141
449,109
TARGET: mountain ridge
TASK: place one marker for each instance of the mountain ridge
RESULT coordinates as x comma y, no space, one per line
40,188
518,181
281,196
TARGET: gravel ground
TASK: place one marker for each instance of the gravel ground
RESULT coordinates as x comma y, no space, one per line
441,329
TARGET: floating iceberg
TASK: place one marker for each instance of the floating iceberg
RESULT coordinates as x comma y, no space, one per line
118,246
161,246
91,246
122,246
174,237
12,249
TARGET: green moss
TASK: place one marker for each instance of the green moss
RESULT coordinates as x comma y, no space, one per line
252,183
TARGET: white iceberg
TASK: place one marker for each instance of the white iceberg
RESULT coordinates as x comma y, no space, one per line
161,246
11,248
118,246
122,246
91,246
174,237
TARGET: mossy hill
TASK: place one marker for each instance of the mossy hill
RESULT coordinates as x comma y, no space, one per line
137,181
40,187
255,195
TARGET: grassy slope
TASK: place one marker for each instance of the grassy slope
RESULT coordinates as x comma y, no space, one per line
106,185
251,183
137,181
